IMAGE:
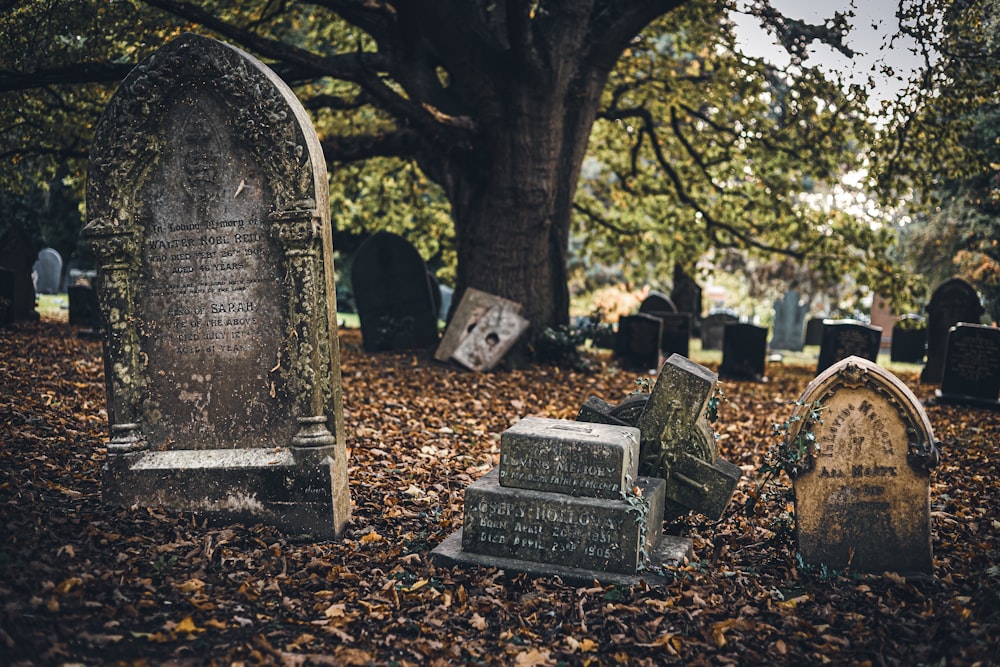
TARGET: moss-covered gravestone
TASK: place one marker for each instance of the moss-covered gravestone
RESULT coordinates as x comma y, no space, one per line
208,210
863,500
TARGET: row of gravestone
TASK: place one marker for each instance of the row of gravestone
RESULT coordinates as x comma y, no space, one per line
224,392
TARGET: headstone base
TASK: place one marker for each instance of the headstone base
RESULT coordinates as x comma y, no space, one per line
292,489
671,551
958,399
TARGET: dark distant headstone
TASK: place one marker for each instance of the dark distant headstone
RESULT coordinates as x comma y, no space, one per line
814,331
676,335
862,495
686,296
657,302
953,301
208,212
17,255
847,338
789,315
637,342
81,301
7,283
48,271
744,352
393,294
971,366
909,339
713,328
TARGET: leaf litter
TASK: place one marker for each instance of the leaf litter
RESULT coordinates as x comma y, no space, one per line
81,582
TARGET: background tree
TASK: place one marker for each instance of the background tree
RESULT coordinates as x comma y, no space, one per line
940,154
484,110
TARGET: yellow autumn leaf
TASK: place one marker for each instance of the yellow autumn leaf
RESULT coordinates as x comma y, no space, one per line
187,625
191,586
532,658
373,536
416,586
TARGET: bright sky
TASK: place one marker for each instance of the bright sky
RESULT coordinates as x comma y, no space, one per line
873,26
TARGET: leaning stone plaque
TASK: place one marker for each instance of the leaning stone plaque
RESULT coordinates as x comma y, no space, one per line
863,501
474,305
971,367
491,337
208,211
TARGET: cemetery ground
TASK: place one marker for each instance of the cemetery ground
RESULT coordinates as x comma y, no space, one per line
84,583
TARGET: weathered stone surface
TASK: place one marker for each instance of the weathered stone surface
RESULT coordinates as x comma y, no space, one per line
562,456
394,295
208,212
589,533
671,551
744,352
953,301
598,411
972,366
865,502
678,400
847,338
491,337
475,304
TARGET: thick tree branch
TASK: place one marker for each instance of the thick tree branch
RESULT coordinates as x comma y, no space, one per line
76,74
598,219
402,143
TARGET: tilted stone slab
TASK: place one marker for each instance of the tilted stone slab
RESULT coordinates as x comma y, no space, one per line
589,533
563,456
678,400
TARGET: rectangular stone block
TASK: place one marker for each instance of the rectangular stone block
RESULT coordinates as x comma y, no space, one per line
563,456
679,399
589,533
703,486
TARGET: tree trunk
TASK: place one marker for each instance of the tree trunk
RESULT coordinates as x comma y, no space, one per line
512,205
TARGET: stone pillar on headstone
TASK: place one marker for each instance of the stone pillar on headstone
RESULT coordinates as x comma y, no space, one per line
862,498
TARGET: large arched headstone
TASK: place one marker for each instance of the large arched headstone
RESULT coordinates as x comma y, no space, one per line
207,204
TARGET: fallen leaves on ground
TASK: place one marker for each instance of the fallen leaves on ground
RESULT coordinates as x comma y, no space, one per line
81,582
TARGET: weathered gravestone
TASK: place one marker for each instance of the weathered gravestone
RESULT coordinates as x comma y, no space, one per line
393,294
565,500
744,352
953,301
208,213
846,338
909,339
814,331
971,366
48,271
637,342
482,330
789,315
677,442
713,328
863,499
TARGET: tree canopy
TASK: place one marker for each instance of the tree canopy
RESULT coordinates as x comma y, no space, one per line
493,133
